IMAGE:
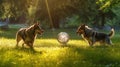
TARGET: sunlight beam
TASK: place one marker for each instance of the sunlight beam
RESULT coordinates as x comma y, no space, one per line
50,17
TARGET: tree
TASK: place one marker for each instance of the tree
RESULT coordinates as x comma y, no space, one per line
60,9
1,8
105,10
36,10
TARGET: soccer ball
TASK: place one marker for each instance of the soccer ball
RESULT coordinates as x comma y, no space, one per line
63,38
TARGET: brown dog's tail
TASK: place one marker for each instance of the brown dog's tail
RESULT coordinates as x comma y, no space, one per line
111,34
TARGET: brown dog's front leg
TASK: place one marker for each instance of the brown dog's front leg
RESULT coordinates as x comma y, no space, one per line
23,45
31,45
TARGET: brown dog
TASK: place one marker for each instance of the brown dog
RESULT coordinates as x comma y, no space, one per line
28,35
93,36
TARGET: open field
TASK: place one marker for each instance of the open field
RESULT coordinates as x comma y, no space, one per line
49,53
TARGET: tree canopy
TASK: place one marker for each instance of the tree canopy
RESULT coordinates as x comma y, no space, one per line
29,11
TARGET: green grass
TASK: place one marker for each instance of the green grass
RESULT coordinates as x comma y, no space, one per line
49,53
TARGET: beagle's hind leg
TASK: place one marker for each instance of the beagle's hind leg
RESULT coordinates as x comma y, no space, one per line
108,41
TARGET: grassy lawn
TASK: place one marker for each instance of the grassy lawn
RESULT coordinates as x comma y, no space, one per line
49,53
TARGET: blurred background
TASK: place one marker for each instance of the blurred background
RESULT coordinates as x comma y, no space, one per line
59,16
100,14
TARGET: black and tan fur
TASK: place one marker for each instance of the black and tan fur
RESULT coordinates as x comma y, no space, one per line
93,36
28,35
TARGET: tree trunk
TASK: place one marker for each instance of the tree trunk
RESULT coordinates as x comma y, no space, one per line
55,22
103,20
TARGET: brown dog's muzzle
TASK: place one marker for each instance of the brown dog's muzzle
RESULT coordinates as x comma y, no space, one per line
77,32
40,32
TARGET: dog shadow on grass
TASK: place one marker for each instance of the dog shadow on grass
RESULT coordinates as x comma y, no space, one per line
97,55
28,50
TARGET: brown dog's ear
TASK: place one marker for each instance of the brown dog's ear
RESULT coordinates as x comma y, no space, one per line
37,23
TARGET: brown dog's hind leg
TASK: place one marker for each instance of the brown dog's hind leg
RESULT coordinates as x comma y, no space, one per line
18,39
31,45
23,45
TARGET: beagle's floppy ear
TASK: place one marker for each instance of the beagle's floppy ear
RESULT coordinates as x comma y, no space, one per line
83,25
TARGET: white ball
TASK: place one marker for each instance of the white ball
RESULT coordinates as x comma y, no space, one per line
63,37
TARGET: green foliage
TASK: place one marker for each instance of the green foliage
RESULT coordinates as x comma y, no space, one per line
30,11
1,8
73,21
116,20
106,11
